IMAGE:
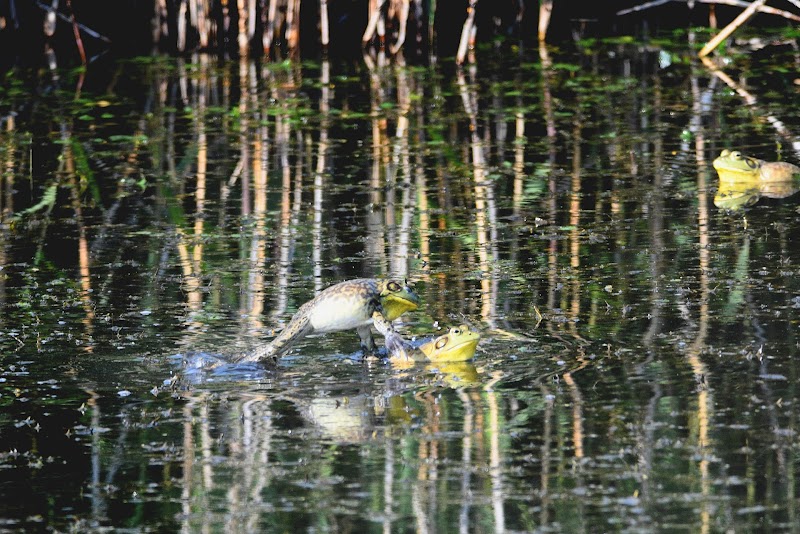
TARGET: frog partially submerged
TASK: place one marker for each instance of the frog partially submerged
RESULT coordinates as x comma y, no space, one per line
743,180
353,304
457,345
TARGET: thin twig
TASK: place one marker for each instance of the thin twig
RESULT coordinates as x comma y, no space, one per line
642,7
77,32
86,30
763,9
730,28
736,3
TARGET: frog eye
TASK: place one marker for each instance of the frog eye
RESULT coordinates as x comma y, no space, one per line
725,153
455,331
751,163
441,342
393,287
736,154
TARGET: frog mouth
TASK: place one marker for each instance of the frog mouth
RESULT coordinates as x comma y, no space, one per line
462,350
396,305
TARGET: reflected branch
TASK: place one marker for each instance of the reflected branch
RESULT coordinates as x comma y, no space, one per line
752,101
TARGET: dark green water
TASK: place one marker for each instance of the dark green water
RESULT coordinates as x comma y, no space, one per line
637,369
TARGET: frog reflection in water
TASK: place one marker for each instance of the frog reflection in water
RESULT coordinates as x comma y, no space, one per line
353,304
743,180
457,345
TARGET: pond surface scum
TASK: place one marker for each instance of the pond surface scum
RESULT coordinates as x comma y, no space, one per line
636,369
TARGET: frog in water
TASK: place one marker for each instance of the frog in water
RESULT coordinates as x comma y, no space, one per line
457,345
353,304
743,180
731,165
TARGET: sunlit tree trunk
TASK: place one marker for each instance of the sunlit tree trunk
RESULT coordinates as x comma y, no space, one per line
545,11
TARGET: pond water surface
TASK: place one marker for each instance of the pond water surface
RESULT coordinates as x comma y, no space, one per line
637,365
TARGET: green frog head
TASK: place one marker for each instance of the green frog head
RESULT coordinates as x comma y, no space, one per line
397,298
732,165
457,345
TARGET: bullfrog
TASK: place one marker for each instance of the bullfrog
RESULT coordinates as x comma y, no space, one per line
353,304
457,345
743,180
731,165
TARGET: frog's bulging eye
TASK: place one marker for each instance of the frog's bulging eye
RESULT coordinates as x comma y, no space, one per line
736,154
751,163
442,342
455,331
393,286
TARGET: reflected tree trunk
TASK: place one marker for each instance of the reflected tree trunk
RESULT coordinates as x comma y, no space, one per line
550,122
545,454
484,205
466,462
388,484
575,222
319,174
421,188
402,162
377,219
495,455
191,261
646,440
705,403
84,274
260,167
6,205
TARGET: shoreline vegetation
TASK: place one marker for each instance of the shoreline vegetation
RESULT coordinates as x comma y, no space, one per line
278,29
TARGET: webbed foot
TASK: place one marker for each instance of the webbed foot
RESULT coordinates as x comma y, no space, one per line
395,347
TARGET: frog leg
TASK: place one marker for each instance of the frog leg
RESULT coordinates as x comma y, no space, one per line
367,341
365,332
395,346
298,328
